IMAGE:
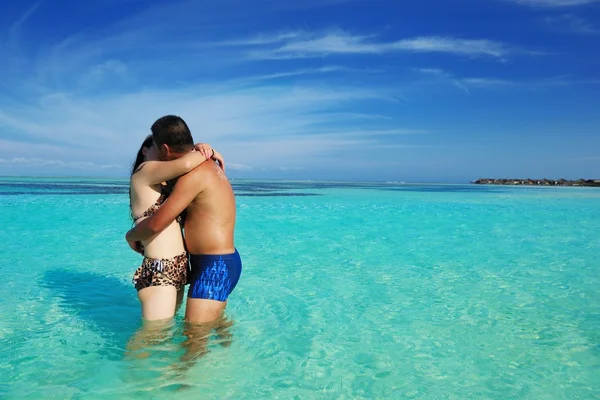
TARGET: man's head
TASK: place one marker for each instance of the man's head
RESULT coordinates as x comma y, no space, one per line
172,137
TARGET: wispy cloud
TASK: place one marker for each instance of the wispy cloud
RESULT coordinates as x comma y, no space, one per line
467,83
307,71
439,74
238,167
558,81
41,162
99,72
433,71
436,44
257,125
86,97
15,29
290,168
73,105
486,82
263,39
553,3
571,23
297,45
307,4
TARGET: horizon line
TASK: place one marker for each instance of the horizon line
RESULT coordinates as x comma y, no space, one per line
243,179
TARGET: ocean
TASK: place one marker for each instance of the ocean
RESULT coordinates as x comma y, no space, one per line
349,291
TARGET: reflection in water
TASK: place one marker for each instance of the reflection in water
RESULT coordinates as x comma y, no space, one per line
199,338
163,352
148,336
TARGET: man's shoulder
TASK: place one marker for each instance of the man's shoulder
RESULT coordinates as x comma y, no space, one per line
195,178
197,173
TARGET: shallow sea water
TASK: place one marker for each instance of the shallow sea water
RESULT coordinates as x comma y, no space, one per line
349,291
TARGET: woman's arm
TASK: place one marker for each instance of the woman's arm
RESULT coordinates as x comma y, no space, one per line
218,157
211,153
155,172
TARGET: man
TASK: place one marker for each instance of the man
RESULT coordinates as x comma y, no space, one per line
206,196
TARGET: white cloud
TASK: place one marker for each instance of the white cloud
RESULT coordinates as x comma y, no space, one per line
455,46
238,167
267,152
68,106
299,72
485,82
340,42
307,149
553,3
97,73
290,168
17,148
15,29
310,45
253,126
263,39
571,23
432,71
40,162
57,115
465,84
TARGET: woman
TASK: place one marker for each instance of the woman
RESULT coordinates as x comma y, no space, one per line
163,273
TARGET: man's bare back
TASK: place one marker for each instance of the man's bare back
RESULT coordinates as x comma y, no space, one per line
210,217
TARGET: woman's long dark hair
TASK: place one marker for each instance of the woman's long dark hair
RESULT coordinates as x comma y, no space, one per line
139,159
140,155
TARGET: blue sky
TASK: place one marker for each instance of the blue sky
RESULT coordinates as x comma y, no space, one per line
332,89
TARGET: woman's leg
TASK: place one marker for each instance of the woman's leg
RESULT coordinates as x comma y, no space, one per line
158,302
158,308
151,333
157,281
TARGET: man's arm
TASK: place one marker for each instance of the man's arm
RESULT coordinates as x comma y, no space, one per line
184,192
155,172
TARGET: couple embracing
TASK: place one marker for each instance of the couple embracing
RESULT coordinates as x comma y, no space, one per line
203,204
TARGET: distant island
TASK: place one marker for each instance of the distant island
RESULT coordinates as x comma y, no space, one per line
538,182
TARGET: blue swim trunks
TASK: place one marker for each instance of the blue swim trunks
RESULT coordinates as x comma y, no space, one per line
213,277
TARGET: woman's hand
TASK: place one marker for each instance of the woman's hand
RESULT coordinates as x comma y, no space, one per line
204,148
218,157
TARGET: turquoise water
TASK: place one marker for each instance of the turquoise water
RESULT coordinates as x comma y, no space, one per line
349,291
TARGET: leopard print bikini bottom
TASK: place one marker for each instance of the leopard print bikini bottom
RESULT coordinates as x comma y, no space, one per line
162,272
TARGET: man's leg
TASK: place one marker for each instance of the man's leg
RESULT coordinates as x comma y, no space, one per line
201,317
223,331
196,344
198,334
212,279
203,311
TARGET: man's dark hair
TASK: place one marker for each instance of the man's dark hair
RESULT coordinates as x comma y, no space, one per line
174,132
